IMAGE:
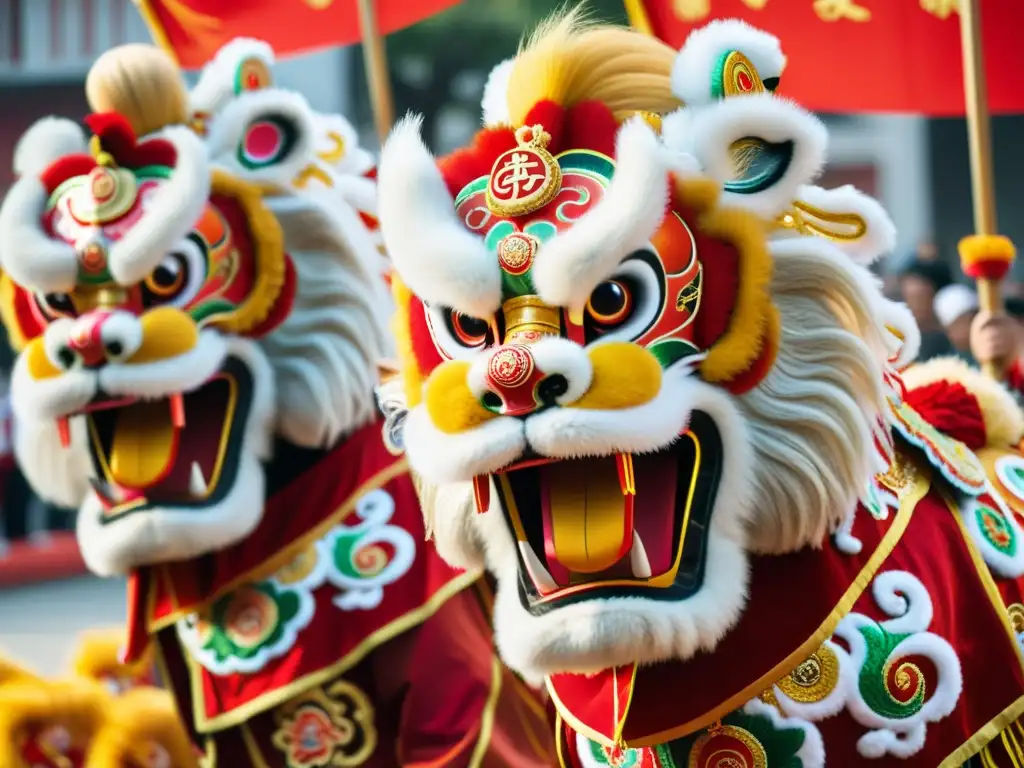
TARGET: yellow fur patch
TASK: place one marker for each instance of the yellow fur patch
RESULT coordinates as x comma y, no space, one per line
268,247
8,316
1004,420
975,249
166,332
98,655
139,721
568,61
449,402
412,377
38,364
751,323
625,376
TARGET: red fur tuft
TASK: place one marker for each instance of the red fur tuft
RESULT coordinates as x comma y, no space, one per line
952,410
27,319
427,356
553,117
591,125
67,167
469,164
119,140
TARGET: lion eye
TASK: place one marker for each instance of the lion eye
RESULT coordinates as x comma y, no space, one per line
610,304
468,331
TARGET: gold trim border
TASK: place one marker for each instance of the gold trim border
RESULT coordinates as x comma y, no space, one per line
250,709
988,732
636,12
922,484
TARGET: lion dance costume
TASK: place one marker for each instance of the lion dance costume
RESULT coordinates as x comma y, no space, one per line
198,344
651,385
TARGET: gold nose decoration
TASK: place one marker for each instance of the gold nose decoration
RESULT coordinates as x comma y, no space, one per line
528,319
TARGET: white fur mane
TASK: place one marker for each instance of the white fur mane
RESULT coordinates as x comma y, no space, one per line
325,353
813,417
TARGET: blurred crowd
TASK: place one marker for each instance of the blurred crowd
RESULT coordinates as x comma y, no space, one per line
952,321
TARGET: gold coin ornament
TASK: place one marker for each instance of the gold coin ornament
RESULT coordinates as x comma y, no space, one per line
526,178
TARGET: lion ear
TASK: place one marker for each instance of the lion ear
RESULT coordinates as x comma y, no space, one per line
264,136
737,324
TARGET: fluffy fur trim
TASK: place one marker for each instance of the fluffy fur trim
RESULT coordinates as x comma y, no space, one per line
901,324
324,353
217,81
694,68
47,140
27,253
437,257
573,262
292,113
1004,421
709,134
57,474
495,101
879,237
170,215
598,634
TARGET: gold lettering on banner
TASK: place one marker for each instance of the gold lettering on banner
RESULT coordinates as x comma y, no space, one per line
943,9
840,10
695,10
319,5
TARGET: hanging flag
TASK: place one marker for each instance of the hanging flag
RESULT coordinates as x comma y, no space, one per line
194,30
864,55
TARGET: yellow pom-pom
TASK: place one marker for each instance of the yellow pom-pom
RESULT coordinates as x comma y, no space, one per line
978,248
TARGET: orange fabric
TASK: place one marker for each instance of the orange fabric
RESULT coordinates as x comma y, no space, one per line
829,69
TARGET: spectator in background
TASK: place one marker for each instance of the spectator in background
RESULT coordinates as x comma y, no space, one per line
1001,338
920,281
955,307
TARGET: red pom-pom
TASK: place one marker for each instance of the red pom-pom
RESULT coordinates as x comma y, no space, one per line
951,409
67,167
466,165
552,117
118,139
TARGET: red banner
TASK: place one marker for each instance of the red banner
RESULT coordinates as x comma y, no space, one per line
864,55
194,30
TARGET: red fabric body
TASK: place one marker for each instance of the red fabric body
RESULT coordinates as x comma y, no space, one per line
790,597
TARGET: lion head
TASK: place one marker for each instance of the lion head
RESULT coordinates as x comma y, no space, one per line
176,311
618,387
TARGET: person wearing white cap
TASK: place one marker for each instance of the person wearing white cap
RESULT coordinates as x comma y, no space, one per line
955,307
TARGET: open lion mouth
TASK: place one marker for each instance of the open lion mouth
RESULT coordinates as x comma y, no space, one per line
177,451
615,526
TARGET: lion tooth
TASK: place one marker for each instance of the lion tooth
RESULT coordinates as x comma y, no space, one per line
196,482
541,578
638,558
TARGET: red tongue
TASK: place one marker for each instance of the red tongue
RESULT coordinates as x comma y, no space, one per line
587,519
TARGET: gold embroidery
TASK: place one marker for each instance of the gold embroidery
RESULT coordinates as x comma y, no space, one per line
332,726
941,8
1016,613
727,746
319,5
810,220
695,10
299,568
900,477
814,679
837,10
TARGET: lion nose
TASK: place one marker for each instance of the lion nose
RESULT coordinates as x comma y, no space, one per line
99,338
516,386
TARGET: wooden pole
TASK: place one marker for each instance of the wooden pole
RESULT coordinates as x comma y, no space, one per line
979,136
376,62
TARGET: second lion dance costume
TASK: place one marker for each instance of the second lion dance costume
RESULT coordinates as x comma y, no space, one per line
651,385
198,343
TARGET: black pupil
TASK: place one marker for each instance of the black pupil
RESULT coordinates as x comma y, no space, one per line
114,348
608,298
60,302
471,327
166,274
